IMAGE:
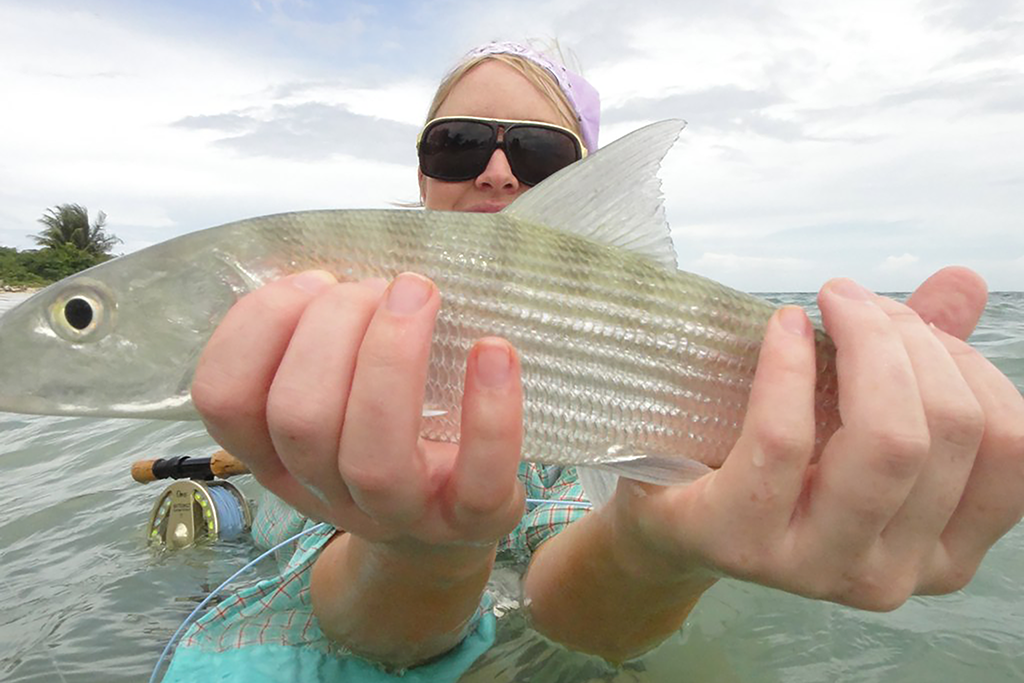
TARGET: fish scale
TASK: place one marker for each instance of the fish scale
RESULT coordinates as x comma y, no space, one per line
616,352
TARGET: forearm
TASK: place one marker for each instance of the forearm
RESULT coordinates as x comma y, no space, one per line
398,606
592,589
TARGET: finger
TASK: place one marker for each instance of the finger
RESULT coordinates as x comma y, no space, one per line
483,483
765,470
306,404
379,459
871,463
955,425
993,501
234,375
953,299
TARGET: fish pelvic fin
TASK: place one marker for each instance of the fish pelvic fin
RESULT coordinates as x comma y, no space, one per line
599,485
613,196
599,480
658,469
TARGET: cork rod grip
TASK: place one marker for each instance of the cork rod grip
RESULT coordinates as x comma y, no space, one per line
225,465
142,471
221,464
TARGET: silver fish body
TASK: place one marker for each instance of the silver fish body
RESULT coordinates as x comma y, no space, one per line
621,357
626,363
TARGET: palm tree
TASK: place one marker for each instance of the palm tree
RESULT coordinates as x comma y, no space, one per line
69,224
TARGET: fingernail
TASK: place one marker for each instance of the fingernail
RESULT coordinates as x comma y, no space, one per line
408,293
493,363
313,280
794,320
850,290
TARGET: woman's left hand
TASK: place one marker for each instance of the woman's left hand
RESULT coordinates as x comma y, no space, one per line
924,476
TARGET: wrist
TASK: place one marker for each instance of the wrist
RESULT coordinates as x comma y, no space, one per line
438,564
394,604
600,587
644,558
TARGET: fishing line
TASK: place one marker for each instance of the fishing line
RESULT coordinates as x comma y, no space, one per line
566,503
231,520
231,523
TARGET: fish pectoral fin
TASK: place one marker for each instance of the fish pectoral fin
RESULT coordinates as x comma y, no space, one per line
598,485
655,468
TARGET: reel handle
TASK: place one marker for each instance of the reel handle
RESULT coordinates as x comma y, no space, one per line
221,464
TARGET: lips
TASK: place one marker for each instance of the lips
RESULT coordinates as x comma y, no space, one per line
486,207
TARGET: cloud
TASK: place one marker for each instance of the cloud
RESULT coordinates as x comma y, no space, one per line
737,263
310,131
327,37
968,15
893,263
998,89
726,108
223,123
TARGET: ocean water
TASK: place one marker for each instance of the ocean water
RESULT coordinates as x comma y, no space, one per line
85,599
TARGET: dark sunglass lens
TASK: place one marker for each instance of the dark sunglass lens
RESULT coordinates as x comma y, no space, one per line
456,150
535,153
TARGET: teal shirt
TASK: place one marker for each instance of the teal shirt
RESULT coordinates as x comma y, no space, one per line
267,631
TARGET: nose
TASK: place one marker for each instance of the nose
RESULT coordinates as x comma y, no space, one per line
498,175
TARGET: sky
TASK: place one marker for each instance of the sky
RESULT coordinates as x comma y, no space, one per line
879,140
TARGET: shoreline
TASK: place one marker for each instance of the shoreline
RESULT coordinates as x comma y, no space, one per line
18,289
9,300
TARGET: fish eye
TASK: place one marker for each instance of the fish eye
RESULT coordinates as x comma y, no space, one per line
82,312
78,313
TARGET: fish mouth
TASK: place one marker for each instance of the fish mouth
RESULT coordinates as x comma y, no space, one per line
32,405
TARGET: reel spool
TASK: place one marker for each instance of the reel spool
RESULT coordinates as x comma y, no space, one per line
189,512
199,508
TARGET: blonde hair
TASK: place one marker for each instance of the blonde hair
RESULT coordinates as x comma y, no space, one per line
534,73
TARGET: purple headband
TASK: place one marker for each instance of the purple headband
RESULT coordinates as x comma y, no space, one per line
581,95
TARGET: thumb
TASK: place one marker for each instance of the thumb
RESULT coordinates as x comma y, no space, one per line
953,299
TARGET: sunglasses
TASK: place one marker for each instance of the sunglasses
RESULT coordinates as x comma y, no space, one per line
457,148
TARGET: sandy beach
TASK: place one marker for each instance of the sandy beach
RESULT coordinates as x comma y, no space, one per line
11,299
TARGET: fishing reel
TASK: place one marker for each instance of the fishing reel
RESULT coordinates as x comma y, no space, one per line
199,508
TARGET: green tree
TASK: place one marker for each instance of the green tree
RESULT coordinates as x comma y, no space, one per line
69,224
54,263
13,270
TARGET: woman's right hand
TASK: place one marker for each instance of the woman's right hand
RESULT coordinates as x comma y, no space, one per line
319,386
924,476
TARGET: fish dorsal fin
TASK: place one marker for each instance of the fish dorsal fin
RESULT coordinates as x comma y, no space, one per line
613,196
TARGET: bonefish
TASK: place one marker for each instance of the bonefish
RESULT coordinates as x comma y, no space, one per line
627,363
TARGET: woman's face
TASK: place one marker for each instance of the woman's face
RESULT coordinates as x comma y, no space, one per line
495,91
